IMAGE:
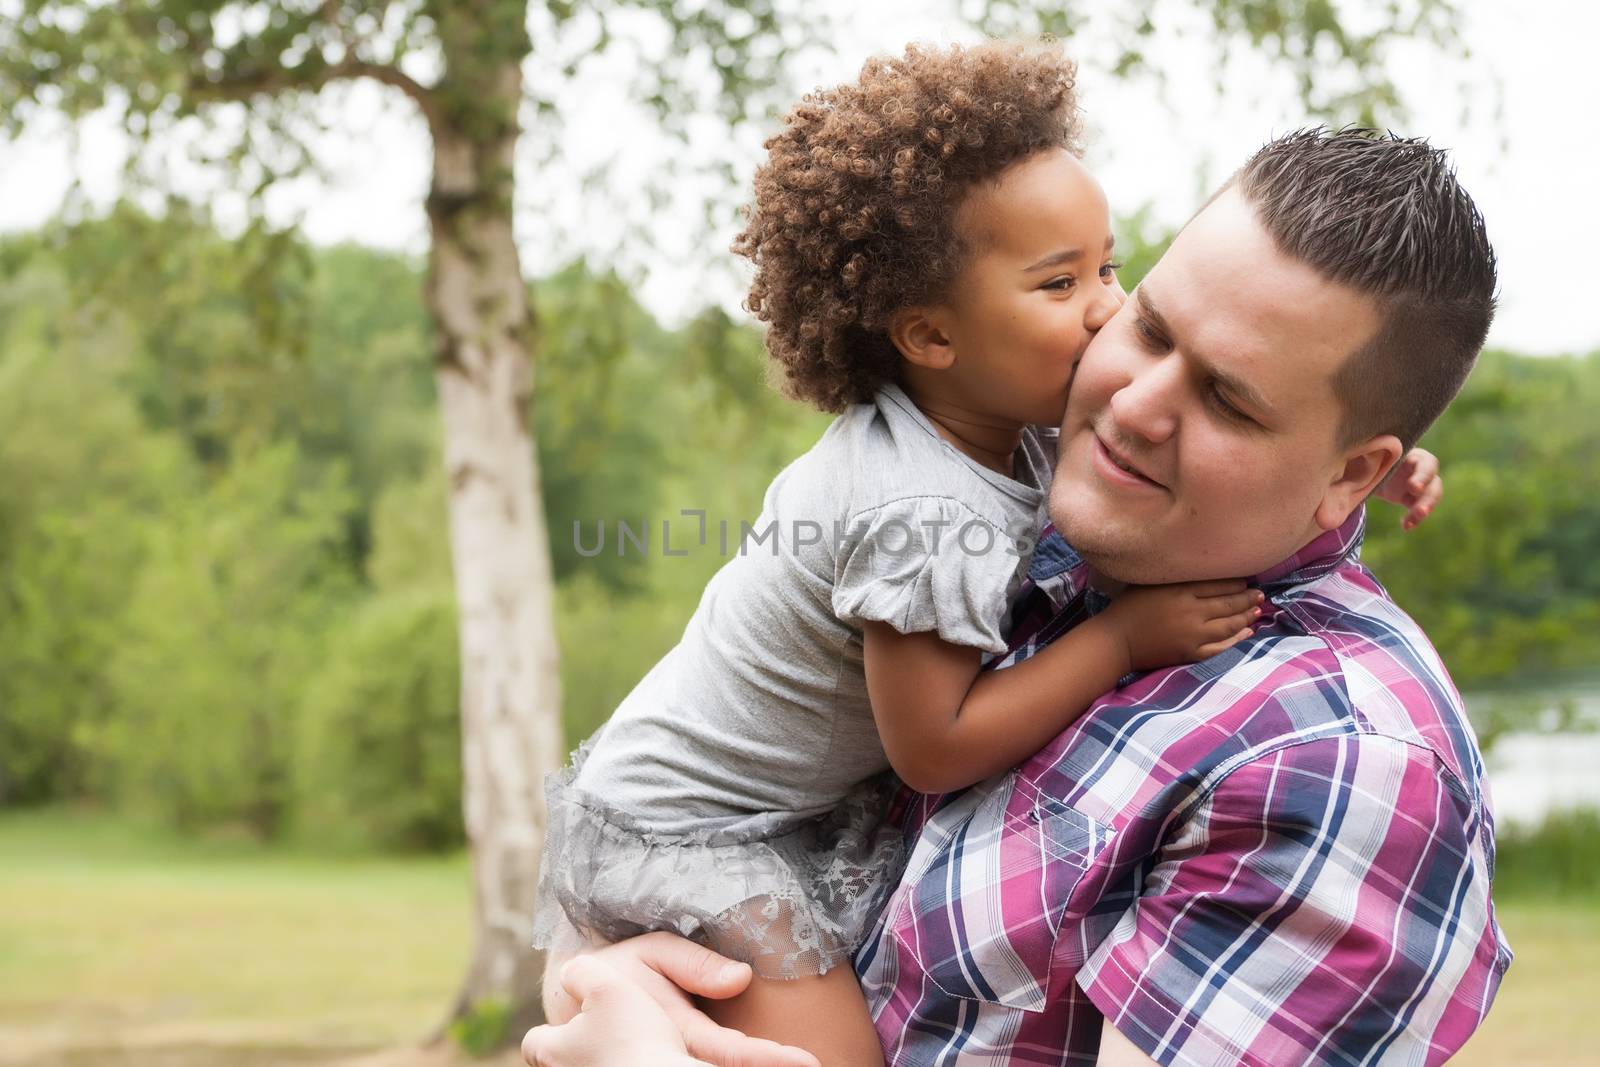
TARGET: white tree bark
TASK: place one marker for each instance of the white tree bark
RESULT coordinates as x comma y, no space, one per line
510,688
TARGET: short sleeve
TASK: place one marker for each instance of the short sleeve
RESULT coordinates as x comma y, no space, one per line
1327,903
928,564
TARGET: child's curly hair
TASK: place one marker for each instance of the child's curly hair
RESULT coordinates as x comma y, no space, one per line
855,209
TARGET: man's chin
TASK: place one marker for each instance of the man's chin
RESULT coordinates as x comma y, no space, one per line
1112,550
1120,567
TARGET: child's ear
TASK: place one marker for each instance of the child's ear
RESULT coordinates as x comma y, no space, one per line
918,334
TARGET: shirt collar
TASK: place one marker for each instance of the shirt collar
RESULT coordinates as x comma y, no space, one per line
1318,557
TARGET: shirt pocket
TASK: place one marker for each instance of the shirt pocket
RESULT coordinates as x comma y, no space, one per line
980,918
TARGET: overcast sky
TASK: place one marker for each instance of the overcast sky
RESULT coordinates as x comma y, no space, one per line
1534,170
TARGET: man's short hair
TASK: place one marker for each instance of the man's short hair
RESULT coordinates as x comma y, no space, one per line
1385,216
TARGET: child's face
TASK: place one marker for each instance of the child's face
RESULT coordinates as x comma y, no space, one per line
1038,285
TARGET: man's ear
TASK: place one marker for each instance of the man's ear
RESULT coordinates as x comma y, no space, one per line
1364,466
919,334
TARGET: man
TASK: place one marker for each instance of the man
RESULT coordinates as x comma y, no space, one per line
1279,855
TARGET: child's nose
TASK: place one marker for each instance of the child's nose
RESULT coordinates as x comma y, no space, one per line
1106,304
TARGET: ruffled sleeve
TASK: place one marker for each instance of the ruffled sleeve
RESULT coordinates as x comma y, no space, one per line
928,564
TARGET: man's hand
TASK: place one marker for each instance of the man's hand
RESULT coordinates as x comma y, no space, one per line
617,1025
658,971
1415,485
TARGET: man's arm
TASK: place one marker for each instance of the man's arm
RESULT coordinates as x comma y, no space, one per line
1327,901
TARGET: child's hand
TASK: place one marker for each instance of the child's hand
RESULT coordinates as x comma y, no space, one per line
1165,625
1415,485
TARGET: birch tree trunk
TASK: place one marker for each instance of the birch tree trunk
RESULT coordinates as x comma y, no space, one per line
510,689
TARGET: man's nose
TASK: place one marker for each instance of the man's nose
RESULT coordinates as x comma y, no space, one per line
1144,407
1106,304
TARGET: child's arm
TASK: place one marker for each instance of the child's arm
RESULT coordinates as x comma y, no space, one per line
945,726
1415,485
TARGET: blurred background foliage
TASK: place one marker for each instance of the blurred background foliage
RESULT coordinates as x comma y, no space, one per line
224,574
224,569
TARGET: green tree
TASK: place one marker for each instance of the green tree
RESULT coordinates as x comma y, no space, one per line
167,59
223,624
379,737
349,383
473,71
72,510
1503,576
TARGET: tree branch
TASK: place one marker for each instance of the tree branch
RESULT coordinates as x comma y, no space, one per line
399,79
277,79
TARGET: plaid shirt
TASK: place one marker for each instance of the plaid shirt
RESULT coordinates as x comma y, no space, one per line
1278,856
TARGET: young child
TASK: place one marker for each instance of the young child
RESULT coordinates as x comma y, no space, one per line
931,261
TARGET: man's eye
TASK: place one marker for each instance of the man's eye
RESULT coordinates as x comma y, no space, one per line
1220,402
1147,333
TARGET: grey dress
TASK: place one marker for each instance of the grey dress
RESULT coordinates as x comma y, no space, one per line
738,795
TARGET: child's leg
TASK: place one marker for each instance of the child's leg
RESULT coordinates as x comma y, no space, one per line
826,1015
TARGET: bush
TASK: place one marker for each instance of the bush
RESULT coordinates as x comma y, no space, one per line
484,1031
380,738
223,625
81,479
1559,858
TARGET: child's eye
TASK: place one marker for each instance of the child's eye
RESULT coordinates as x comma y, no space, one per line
1061,284
1109,270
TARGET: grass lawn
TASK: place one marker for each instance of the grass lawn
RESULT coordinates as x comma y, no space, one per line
1541,1016
116,936
121,944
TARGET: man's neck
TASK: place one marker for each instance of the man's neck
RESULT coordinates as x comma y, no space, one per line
1102,583
1318,546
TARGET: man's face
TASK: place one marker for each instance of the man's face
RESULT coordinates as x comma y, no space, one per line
1214,385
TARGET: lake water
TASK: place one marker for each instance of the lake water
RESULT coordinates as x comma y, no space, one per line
1550,762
